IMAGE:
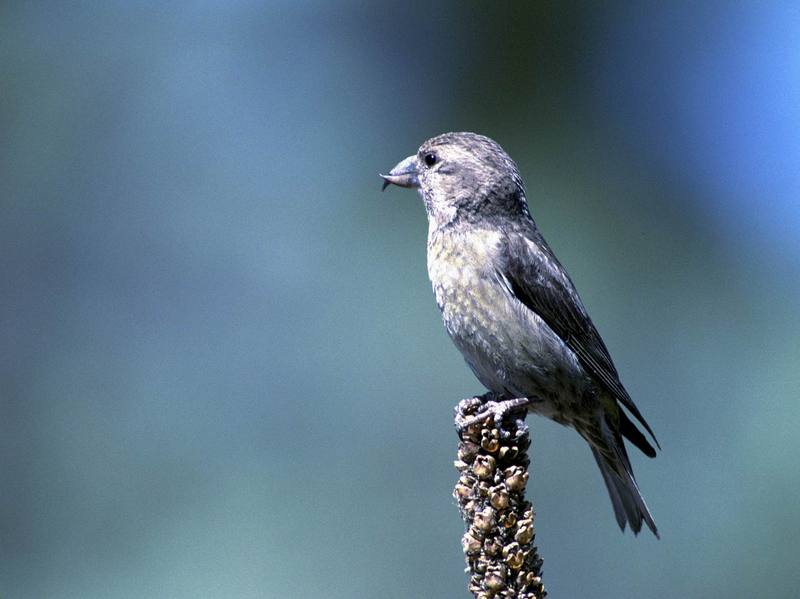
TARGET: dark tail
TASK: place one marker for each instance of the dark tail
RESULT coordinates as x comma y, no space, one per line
634,435
629,506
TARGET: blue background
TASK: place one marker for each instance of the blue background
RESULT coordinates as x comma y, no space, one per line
222,370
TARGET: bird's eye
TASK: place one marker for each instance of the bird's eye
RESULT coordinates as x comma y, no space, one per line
430,159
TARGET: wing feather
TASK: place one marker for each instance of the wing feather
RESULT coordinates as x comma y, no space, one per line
540,282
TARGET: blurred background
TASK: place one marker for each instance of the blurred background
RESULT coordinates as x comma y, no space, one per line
222,371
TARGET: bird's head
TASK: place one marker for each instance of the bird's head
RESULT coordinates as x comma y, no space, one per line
462,175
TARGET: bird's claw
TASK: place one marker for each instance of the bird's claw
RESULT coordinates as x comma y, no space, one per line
497,410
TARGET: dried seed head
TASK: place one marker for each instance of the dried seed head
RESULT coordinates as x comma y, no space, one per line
484,520
524,535
470,544
490,439
476,532
492,547
502,561
514,555
498,497
472,432
461,491
466,479
494,583
517,481
509,520
528,514
467,451
490,444
508,453
484,466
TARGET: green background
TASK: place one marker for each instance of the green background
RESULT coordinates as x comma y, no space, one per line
222,371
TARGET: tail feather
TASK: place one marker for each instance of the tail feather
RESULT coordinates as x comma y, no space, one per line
634,435
616,500
629,506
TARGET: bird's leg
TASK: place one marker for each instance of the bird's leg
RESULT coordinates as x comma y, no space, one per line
491,406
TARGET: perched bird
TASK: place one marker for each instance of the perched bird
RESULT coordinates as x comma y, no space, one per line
512,310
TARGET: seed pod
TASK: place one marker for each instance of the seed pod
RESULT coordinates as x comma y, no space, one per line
524,535
514,556
498,497
494,583
470,544
467,451
517,481
509,520
484,466
484,520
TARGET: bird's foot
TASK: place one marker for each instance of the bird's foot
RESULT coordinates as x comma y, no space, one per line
497,410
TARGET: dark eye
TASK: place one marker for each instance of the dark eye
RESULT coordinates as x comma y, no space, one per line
430,159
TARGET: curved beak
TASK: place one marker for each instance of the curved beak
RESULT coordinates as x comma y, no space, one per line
403,175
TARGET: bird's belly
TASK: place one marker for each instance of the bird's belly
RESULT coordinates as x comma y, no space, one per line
509,348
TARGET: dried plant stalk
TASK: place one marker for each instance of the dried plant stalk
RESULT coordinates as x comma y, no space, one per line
498,544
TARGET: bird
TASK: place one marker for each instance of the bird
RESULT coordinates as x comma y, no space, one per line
512,310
